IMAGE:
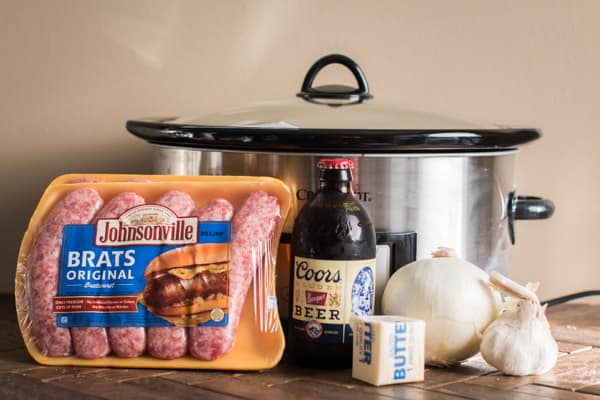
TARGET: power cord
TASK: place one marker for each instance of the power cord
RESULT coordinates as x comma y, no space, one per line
569,297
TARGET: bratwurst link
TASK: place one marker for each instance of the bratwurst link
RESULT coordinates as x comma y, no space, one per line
169,343
253,227
124,341
93,342
169,289
213,210
184,285
77,207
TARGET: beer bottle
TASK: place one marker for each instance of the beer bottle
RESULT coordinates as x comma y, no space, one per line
332,275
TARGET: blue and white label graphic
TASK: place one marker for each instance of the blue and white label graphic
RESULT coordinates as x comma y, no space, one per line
100,285
363,292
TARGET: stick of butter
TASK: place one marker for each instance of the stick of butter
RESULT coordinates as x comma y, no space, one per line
388,349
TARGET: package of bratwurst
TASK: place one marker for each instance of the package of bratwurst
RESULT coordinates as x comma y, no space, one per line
153,272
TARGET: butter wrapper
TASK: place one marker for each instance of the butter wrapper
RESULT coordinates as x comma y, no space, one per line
388,349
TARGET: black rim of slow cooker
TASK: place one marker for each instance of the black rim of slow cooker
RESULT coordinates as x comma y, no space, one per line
166,131
371,141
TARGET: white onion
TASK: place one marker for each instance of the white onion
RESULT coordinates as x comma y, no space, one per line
454,298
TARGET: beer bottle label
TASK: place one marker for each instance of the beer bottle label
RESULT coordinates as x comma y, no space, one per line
327,293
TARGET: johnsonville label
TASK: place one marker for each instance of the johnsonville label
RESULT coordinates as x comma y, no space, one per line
147,225
327,293
146,268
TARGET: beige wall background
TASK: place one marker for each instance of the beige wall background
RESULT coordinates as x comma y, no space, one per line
72,73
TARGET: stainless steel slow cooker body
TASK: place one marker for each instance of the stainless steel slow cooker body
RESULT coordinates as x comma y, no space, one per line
450,181
455,200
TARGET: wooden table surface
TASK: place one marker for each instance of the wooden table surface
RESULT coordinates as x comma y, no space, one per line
576,375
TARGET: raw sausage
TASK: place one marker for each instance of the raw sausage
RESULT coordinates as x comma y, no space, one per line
252,227
213,210
119,204
124,341
77,207
168,343
93,342
127,341
90,342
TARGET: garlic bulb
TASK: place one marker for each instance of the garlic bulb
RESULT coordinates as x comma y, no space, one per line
454,298
519,341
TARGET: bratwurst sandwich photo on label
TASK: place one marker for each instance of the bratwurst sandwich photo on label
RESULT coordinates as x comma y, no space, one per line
188,285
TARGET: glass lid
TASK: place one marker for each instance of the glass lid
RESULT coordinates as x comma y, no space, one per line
329,118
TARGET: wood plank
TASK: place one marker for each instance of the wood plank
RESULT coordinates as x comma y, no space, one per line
583,335
341,378
468,370
304,388
199,378
501,381
16,360
478,392
231,384
433,377
177,390
320,389
593,389
283,373
575,323
105,388
573,372
15,386
572,348
403,391
125,374
549,392
48,374
344,380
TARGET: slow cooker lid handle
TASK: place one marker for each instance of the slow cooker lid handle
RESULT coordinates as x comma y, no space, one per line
335,95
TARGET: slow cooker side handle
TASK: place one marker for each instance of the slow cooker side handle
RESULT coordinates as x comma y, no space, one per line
526,207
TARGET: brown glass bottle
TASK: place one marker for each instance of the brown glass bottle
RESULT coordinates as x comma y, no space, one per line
332,270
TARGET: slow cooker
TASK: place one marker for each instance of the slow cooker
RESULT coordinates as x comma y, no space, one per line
444,181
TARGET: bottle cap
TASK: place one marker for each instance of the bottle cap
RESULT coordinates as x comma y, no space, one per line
335,163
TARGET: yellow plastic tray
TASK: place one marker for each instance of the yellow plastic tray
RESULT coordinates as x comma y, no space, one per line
253,348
